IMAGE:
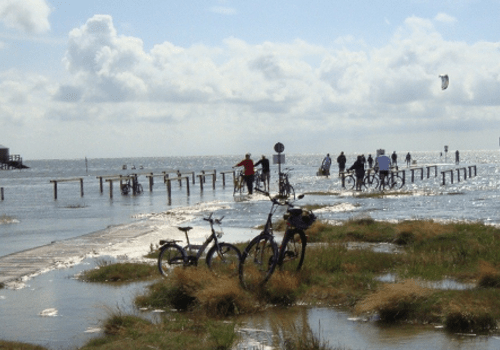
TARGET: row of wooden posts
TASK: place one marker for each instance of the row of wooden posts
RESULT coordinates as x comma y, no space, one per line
402,173
167,180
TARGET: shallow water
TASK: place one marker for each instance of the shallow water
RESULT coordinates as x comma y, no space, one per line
40,220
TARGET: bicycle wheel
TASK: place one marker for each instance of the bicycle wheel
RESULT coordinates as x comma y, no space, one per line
371,182
349,182
139,189
258,262
171,255
290,192
225,261
292,250
396,182
126,189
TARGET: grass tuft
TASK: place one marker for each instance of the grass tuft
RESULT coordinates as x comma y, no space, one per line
395,302
121,272
489,276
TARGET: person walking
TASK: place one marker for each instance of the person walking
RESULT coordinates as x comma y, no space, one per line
370,161
457,157
325,166
341,160
249,171
359,169
408,159
266,172
394,158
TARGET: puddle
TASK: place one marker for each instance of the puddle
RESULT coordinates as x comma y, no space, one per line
377,247
339,329
446,284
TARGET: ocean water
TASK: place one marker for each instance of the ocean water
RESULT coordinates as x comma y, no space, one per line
30,217
36,219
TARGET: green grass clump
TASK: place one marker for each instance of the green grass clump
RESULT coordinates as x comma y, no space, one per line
198,289
19,346
120,272
174,332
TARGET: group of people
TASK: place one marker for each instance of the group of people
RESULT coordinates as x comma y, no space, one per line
382,164
249,171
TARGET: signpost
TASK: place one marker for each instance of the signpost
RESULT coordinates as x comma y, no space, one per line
279,159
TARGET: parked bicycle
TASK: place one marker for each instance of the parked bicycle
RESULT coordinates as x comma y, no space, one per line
258,180
222,258
391,182
285,188
132,185
261,256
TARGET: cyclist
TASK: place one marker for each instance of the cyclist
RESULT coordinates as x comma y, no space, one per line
266,172
249,172
383,163
359,168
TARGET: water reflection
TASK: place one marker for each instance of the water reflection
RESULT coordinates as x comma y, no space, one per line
338,328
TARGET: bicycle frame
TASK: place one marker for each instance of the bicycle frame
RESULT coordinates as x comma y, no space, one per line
191,248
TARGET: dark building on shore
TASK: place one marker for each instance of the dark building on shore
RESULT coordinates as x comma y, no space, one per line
8,161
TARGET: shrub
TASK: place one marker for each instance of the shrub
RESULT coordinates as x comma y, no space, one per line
395,302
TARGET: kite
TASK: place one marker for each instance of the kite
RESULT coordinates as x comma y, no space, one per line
444,81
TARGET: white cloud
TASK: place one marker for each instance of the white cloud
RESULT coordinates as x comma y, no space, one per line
188,96
445,18
29,16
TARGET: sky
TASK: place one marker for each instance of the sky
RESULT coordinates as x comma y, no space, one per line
109,78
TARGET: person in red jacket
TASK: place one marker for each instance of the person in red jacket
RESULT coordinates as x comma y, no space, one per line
247,163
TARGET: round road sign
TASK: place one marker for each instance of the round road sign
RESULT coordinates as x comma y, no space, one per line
279,147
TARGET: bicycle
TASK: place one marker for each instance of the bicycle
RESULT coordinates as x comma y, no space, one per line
369,181
258,179
285,188
222,258
133,186
240,184
392,182
261,256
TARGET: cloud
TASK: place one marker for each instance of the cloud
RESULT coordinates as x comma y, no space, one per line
303,94
445,18
28,16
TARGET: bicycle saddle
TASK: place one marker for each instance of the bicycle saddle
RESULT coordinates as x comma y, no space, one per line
185,229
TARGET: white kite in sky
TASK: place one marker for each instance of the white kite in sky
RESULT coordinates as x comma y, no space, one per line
444,81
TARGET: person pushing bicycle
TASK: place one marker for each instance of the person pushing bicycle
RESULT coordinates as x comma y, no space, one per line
383,164
249,172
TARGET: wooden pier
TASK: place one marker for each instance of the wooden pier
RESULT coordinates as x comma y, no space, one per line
80,179
458,170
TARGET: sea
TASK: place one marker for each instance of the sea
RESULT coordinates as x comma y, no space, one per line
31,217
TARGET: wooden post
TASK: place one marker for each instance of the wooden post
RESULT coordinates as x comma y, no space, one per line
111,188
451,173
192,174
343,180
458,175
203,173
100,184
223,180
1,193
179,176
81,187
213,180
444,177
55,189
169,188
201,182
465,173
421,173
151,182
187,185
412,175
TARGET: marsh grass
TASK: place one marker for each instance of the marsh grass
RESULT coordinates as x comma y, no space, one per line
120,272
175,332
9,345
198,289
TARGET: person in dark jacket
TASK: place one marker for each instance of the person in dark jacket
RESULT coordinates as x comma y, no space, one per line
370,161
359,169
266,171
341,159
